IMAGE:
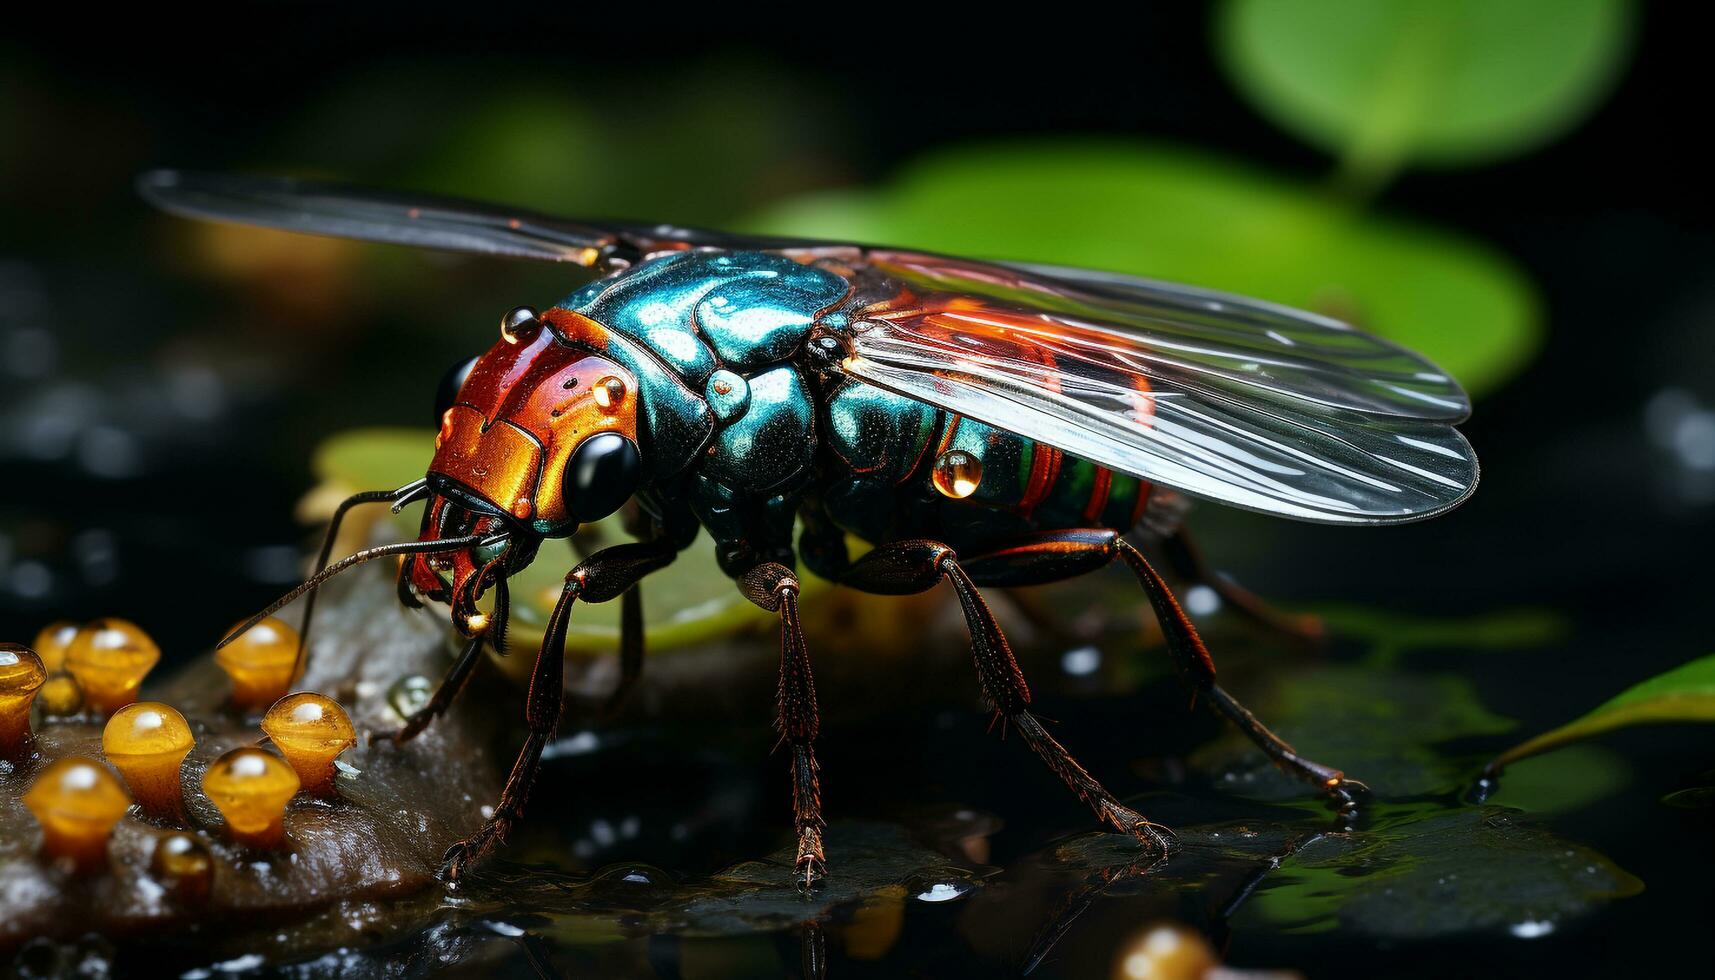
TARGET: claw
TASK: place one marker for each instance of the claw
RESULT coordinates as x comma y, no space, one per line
811,867
809,874
465,854
1156,837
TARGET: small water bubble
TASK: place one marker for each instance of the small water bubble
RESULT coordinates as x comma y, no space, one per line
1530,929
110,452
632,875
1081,662
1200,600
408,694
31,580
943,885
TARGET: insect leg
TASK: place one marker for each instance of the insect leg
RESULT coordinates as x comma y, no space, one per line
913,566
1196,665
1049,556
775,588
600,577
1186,558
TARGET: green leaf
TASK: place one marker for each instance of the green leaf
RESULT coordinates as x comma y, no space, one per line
1685,693
1385,82
1196,218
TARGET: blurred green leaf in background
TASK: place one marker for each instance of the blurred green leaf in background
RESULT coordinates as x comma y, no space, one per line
1386,83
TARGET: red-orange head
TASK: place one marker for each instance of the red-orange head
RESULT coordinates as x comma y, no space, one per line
540,435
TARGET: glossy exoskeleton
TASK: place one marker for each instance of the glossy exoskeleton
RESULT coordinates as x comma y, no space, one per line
979,423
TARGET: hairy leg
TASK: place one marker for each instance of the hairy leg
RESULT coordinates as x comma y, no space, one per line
775,588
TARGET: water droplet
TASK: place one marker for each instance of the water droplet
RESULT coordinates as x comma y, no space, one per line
942,885
957,474
409,694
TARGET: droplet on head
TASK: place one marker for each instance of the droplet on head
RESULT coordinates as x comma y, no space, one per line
77,802
260,663
251,788
519,325
60,697
310,730
608,391
52,643
21,676
110,658
147,742
182,863
957,474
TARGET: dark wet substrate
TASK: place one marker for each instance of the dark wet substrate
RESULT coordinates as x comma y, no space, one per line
653,847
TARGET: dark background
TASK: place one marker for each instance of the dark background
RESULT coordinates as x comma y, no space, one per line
157,420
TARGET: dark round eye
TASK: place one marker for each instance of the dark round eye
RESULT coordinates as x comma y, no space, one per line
602,474
448,392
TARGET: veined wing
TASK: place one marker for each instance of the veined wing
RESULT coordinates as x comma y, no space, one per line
1234,400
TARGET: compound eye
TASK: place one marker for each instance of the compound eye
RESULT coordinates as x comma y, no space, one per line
447,394
602,474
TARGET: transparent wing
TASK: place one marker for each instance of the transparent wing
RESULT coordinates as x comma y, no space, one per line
1209,339
1235,400
376,216
424,221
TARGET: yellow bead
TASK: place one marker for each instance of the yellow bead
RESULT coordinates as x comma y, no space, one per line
260,663
183,864
957,474
77,802
1167,953
147,742
251,788
310,730
60,697
21,676
110,658
52,643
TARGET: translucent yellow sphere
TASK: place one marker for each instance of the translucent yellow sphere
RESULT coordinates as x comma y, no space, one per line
1167,952
53,642
183,864
260,663
147,742
310,730
251,788
21,676
60,697
957,474
110,658
77,802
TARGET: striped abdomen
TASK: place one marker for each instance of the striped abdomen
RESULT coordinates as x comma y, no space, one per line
880,482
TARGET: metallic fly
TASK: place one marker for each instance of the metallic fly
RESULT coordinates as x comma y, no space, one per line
979,423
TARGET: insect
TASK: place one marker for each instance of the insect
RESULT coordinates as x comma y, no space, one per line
979,423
